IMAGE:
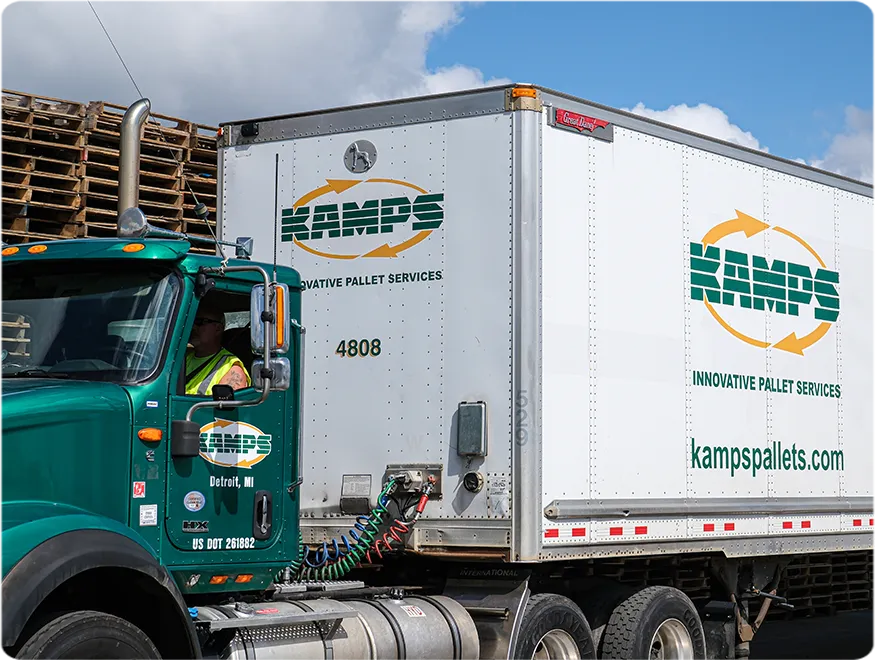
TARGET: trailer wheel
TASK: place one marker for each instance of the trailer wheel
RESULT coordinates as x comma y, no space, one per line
655,623
89,634
553,627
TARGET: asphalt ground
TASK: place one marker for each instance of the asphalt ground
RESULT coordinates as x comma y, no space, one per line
846,635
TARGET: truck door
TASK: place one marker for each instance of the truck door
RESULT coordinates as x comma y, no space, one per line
230,497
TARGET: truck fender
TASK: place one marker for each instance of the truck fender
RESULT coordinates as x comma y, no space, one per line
66,555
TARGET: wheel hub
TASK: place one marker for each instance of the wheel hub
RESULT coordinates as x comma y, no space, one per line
556,645
671,641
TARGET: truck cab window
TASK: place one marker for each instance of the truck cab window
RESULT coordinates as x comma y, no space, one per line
89,322
218,350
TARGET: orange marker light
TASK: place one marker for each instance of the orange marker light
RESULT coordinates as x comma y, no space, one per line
524,91
150,435
36,249
243,578
219,579
9,251
280,316
133,247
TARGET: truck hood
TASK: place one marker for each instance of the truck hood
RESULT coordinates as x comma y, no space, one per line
67,442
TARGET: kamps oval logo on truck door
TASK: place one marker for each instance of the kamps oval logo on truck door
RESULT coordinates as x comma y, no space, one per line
362,218
737,287
233,444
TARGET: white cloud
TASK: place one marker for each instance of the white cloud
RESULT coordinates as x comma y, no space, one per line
224,61
704,119
850,152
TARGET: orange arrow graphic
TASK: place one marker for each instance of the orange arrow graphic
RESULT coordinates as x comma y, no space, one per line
786,232
392,251
250,463
332,185
399,183
793,344
736,333
743,222
220,423
324,254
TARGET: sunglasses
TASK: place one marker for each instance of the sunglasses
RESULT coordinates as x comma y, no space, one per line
203,321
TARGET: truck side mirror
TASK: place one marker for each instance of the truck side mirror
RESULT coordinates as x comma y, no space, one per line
281,379
185,439
279,342
223,392
278,368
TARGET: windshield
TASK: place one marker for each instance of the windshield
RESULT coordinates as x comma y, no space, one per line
94,322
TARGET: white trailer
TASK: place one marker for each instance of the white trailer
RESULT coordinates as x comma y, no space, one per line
605,337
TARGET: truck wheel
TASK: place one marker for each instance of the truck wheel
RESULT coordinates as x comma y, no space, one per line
88,635
553,627
656,622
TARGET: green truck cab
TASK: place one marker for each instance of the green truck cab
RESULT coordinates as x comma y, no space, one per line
114,479
150,506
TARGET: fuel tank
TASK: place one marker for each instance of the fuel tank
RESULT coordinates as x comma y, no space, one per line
428,627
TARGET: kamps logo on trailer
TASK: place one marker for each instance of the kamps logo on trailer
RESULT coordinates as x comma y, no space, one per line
362,218
737,287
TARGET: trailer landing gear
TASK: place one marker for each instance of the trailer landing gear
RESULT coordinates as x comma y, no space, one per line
740,581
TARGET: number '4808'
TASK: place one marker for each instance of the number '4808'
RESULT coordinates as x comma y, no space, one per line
359,348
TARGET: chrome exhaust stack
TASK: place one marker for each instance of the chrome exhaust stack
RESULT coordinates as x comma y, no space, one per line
129,155
132,222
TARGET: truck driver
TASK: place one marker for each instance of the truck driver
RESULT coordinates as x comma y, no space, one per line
207,362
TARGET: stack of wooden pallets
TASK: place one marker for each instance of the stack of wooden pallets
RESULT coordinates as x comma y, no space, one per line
60,164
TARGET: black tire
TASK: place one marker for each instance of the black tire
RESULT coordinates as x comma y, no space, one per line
88,635
550,612
635,621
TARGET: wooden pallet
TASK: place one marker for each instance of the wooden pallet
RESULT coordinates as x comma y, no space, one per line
26,225
16,329
108,228
45,106
109,188
60,165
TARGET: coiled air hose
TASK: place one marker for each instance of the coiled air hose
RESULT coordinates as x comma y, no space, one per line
332,562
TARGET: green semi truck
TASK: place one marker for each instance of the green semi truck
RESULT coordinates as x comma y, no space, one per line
115,479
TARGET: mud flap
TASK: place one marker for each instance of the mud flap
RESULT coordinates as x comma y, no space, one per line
718,623
495,598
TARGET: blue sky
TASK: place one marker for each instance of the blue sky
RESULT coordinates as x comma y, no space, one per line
784,71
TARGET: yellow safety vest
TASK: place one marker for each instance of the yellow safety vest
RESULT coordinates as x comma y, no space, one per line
202,373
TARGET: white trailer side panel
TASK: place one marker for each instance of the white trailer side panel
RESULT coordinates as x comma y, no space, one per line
639,409
704,322
568,356
855,340
437,300
715,186
722,299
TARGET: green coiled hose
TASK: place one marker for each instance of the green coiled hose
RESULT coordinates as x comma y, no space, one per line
369,527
